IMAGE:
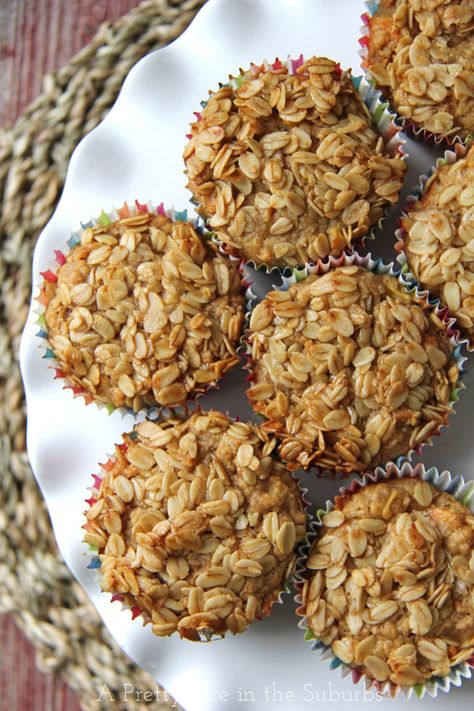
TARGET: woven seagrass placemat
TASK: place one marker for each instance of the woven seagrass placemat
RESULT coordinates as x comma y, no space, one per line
35,584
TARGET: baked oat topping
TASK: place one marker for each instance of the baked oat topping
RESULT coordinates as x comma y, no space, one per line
391,581
145,311
421,54
196,524
290,168
440,239
350,370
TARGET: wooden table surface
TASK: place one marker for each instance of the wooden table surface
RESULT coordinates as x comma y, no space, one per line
37,36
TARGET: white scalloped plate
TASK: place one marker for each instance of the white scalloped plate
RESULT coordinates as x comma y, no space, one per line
136,152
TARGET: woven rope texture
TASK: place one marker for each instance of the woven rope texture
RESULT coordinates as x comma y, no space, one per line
35,584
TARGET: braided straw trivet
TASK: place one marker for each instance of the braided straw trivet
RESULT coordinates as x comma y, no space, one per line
35,584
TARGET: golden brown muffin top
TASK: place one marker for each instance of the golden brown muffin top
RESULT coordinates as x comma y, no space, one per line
350,370
289,168
391,581
421,54
440,239
145,312
196,524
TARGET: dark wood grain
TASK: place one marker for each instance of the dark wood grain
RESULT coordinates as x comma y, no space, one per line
37,36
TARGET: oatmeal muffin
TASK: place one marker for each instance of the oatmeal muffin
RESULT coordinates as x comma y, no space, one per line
439,239
390,581
349,369
196,524
421,55
289,168
145,311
